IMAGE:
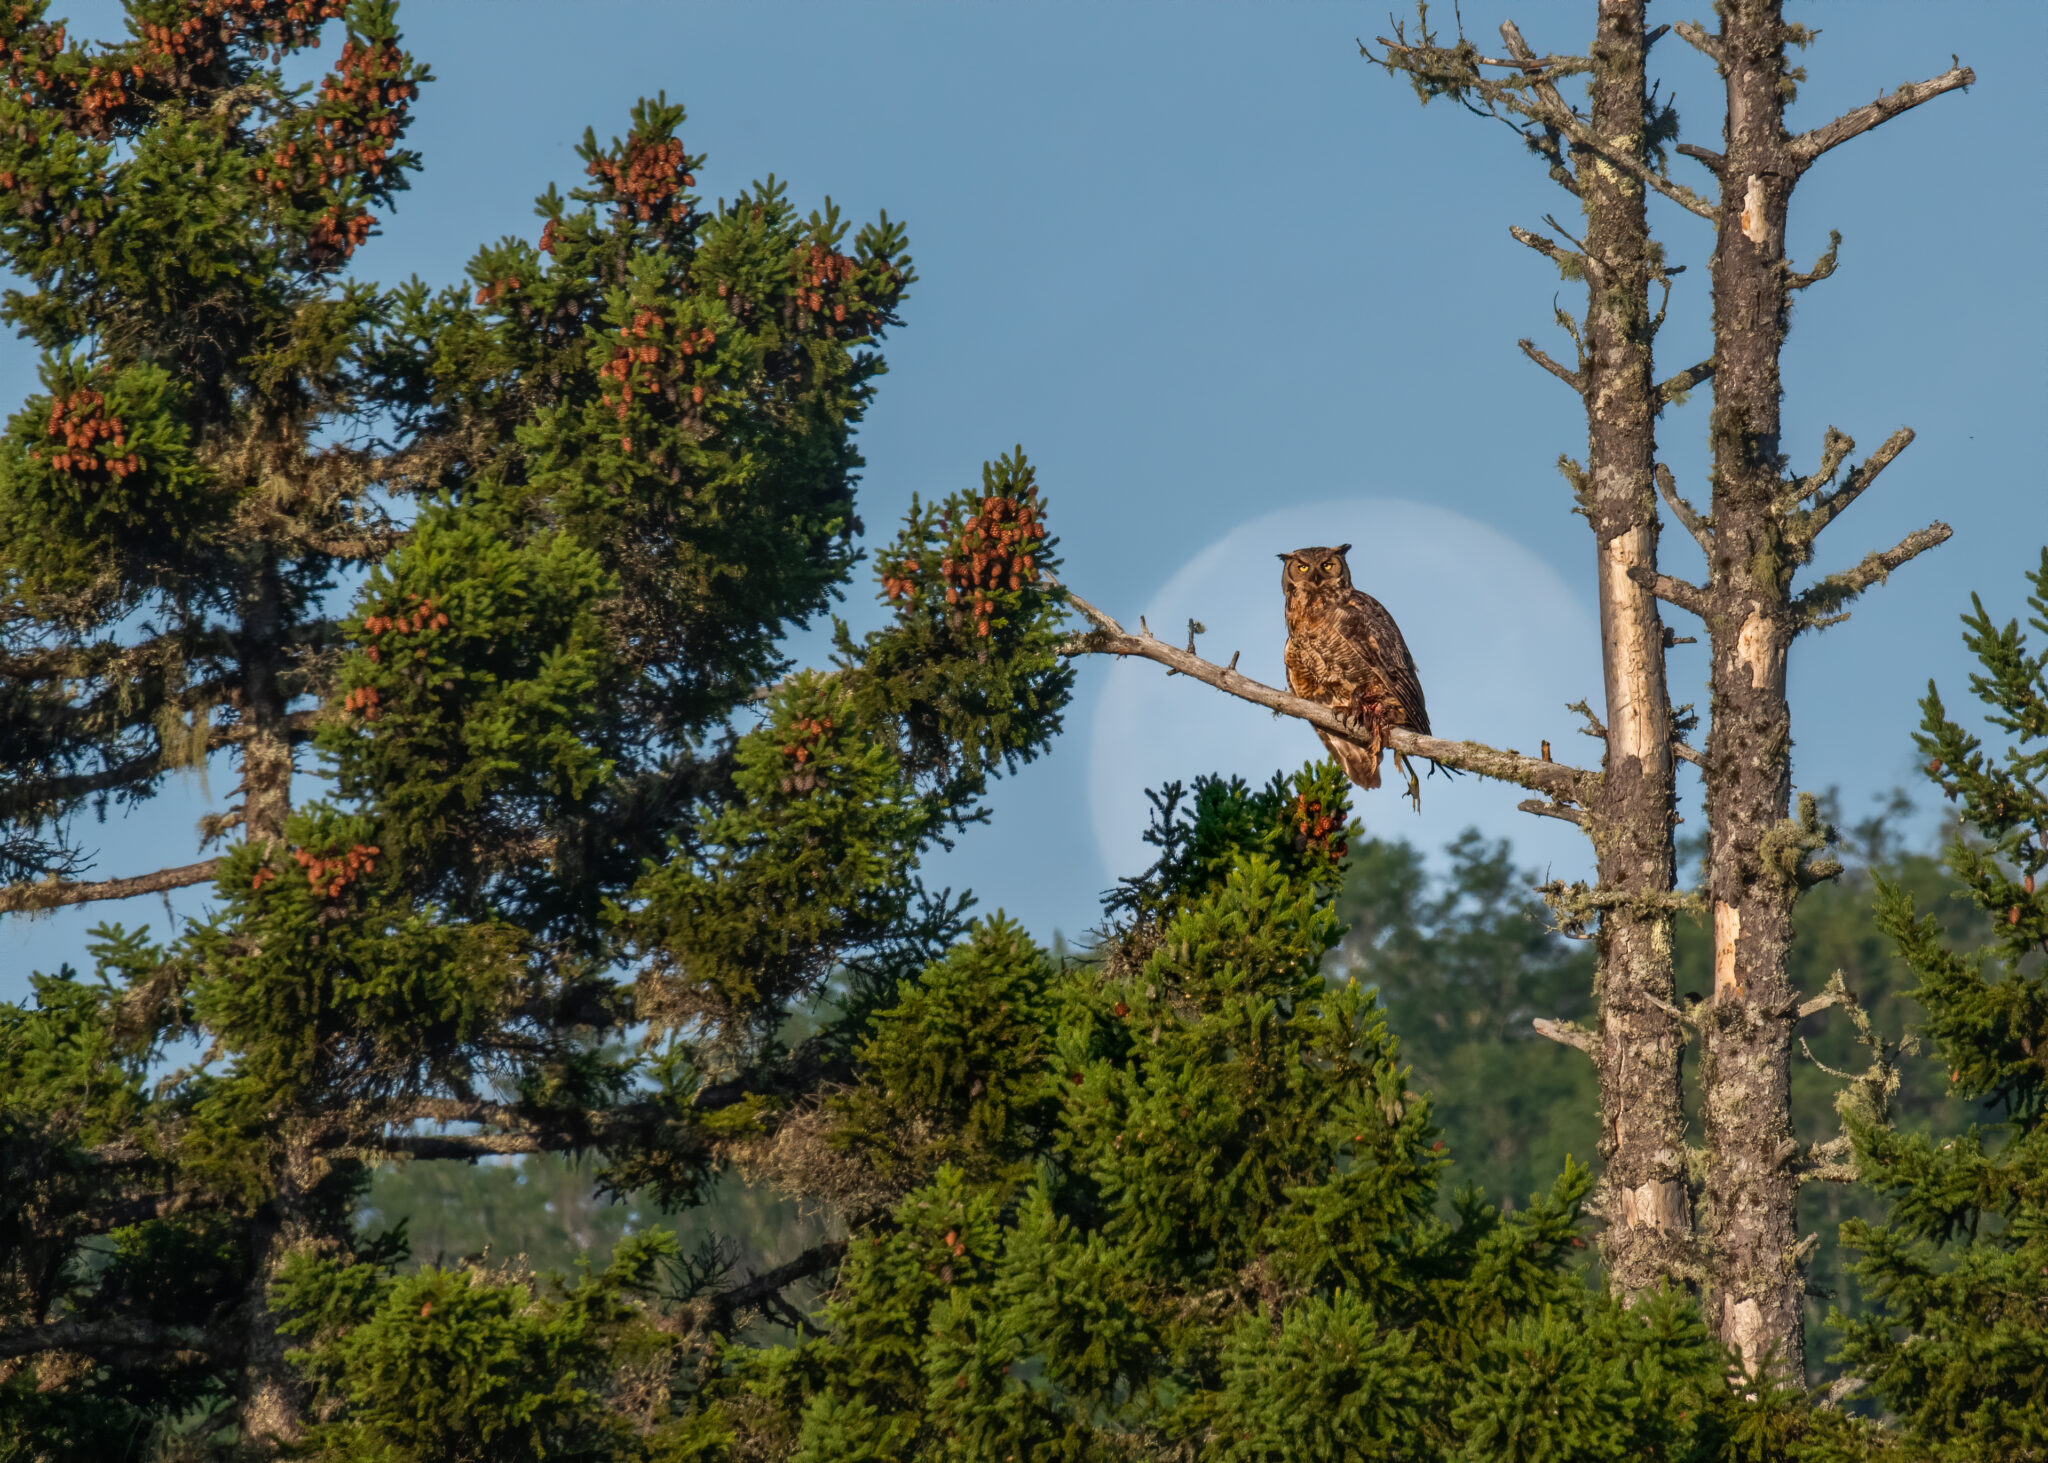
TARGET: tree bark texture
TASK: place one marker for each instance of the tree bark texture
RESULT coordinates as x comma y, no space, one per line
1755,1284
1640,1048
267,749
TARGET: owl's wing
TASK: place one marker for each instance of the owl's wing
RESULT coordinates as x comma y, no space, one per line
1370,634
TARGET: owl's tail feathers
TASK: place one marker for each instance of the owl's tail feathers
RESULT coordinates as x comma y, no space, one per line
1361,763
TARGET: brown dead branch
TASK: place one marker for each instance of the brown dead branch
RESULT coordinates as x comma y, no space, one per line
1564,783
1810,145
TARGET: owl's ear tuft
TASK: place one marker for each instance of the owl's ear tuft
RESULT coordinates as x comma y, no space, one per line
1283,558
1343,548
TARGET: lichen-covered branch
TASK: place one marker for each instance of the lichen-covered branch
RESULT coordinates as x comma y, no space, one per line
1533,97
53,894
1675,591
1552,810
1700,39
1822,267
1803,528
1804,148
1568,1033
1674,388
1702,532
1574,379
1562,782
1822,601
1569,261
463,1145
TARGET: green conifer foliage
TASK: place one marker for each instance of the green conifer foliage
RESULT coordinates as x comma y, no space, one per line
1956,1339
512,565
1200,1219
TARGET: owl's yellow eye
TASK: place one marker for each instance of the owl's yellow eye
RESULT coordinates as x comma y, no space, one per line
1331,567
1301,568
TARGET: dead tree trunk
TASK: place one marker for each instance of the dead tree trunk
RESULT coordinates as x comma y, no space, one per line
1760,532
1641,1048
1601,157
1744,1245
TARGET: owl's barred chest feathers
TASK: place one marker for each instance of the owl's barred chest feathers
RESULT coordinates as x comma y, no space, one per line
1344,651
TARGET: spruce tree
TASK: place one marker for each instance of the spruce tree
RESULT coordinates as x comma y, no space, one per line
1954,1344
508,566
1179,1201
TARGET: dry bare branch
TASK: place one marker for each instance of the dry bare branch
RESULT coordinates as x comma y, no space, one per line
729,1308
1834,447
1541,105
1829,997
1804,528
1705,156
1822,267
1543,81
1673,590
1701,530
1574,379
1673,387
1561,781
1567,1033
1552,810
1804,148
1568,260
1700,39
53,894
1822,601
458,1145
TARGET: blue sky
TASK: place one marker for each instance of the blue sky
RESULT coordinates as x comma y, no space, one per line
1208,266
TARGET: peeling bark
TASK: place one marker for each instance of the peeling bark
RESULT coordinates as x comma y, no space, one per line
1755,1290
1641,1048
1743,1245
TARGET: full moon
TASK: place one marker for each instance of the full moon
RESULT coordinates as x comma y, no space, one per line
1500,640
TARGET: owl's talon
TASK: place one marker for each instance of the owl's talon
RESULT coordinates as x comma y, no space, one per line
1414,780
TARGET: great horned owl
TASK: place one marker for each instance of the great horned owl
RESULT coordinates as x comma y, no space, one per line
1345,652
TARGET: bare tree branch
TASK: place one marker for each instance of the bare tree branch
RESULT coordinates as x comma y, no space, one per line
461,1145
1804,528
1567,1033
1704,155
55,893
1543,82
1822,267
1830,997
1552,810
1541,105
1702,532
1568,260
1562,782
1672,591
1574,379
1810,145
1822,601
1673,387
1700,39
114,1337
1835,446
728,1307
